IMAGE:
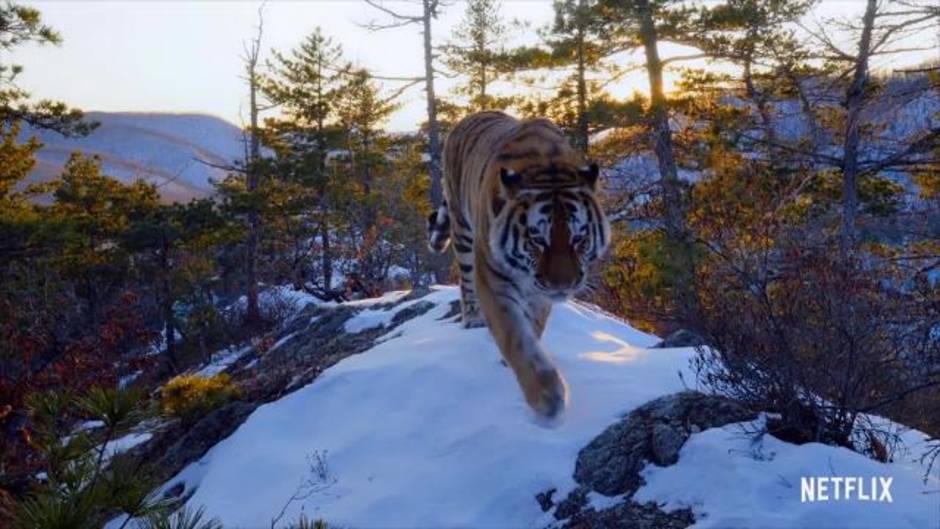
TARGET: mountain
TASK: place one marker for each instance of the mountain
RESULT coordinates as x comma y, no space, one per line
162,148
393,415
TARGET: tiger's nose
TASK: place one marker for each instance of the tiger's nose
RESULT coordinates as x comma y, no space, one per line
561,269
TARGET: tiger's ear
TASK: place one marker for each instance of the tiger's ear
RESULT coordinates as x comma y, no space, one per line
509,178
590,173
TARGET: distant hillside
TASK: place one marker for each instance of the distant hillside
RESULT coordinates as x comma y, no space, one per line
162,148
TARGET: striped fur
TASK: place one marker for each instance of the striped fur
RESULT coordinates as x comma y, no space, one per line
522,217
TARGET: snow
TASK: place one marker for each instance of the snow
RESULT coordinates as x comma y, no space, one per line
284,298
158,346
765,486
88,425
222,360
125,443
160,147
372,318
429,429
282,341
388,297
127,380
286,293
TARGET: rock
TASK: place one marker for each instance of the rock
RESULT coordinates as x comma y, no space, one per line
655,432
175,491
452,312
319,341
611,463
631,515
572,505
408,313
665,443
681,338
545,499
176,444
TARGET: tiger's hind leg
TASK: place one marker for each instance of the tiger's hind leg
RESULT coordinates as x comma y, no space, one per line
469,305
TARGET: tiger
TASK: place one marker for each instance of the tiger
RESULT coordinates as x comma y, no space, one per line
520,209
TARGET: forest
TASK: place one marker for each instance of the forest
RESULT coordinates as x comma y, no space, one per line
778,209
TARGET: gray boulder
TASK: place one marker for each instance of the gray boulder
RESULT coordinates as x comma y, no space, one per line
681,338
655,432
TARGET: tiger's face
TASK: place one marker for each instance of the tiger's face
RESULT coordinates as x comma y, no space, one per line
550,235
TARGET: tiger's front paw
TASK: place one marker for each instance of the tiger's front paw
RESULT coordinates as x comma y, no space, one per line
472,322
549,396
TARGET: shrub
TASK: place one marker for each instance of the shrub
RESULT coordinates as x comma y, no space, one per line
644,278
184,518
818,339
81,488
306,523
192,396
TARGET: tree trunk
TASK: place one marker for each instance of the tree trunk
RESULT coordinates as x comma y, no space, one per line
582,140
327,254
669,174
434,140
169,326
441,263
326,257
483,79
252,311
760,100
855,103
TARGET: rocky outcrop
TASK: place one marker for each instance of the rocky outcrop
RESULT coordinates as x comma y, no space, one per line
318,340
681,338
611,463
630,515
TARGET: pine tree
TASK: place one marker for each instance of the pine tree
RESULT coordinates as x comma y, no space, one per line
575,57
476,53
16,210
305,85
362,112
20,25
646,22
172,242
90,211
757,36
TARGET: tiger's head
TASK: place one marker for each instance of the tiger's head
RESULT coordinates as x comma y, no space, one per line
548,227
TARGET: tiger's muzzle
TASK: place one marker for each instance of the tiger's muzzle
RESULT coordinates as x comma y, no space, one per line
559,269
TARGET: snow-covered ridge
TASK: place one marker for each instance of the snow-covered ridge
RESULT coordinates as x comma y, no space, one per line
163,148
428,428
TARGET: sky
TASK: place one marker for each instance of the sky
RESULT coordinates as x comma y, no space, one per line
184,56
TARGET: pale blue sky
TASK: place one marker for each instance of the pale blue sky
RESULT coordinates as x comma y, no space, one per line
183,56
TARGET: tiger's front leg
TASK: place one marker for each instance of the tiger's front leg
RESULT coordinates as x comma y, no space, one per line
516,324
469,306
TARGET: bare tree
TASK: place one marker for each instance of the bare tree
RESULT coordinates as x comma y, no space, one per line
854,103
250,58
430,9
884,25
